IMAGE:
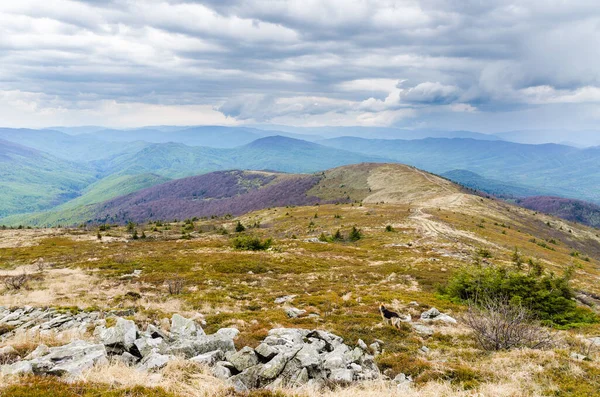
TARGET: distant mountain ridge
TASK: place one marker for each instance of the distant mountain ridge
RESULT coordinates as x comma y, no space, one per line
237,192
558,169
82,170
176,160
493,187
569,209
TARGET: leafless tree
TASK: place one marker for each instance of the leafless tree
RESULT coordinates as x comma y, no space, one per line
499,325
175,286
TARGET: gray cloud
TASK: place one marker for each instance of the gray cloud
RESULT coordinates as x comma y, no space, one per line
436,63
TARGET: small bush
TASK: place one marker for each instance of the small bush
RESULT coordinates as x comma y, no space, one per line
239,227
133,295
251,243
355,234
499,325
175,286
338,236
15,283
548,296
389,228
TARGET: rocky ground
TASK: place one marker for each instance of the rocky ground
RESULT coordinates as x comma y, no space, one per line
286,357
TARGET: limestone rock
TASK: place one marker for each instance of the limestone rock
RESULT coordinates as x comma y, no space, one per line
221,371
146,345
71,359
7,351
209,358
284,299
154,361
422,330
39,351
265,351
243,359
127,359
121,336
18,368
293,312
184,328
342,375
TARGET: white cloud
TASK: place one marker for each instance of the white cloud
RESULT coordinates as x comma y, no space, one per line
302,61
34,110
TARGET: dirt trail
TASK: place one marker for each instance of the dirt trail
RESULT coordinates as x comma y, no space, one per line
432,229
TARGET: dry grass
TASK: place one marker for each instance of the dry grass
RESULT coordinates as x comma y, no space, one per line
342,282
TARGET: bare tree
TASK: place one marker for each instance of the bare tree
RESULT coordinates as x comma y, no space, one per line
175,286
499,325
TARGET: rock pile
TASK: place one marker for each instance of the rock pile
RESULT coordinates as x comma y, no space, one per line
286,357
434,315
46,320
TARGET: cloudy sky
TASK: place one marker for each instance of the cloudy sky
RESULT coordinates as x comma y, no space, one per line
485,65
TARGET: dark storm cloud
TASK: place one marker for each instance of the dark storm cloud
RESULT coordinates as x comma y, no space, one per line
304,62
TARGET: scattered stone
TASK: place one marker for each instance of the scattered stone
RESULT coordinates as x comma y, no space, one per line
577,356
286,357
127,359
308,356
375,348
361,343
71,359
284,299
266,352
209,358
147,344
243,359
122,336
7,351
230,333
342,375
154,361
422,330
424,349
430,314
39,351
183,328
18,368
402,378
434,314
293,312
221,371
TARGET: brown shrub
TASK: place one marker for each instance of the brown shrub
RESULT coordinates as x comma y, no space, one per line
499,325
175,286
15,283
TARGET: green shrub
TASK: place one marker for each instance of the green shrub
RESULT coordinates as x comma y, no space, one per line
251,243
550,298
355,234
239,227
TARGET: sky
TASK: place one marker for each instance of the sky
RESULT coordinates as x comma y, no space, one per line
481,65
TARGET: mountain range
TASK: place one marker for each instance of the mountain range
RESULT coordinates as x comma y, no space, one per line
51,177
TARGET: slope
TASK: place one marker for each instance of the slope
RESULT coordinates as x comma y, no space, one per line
572,210
31,180
491,186
79,209
435,230
214,194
